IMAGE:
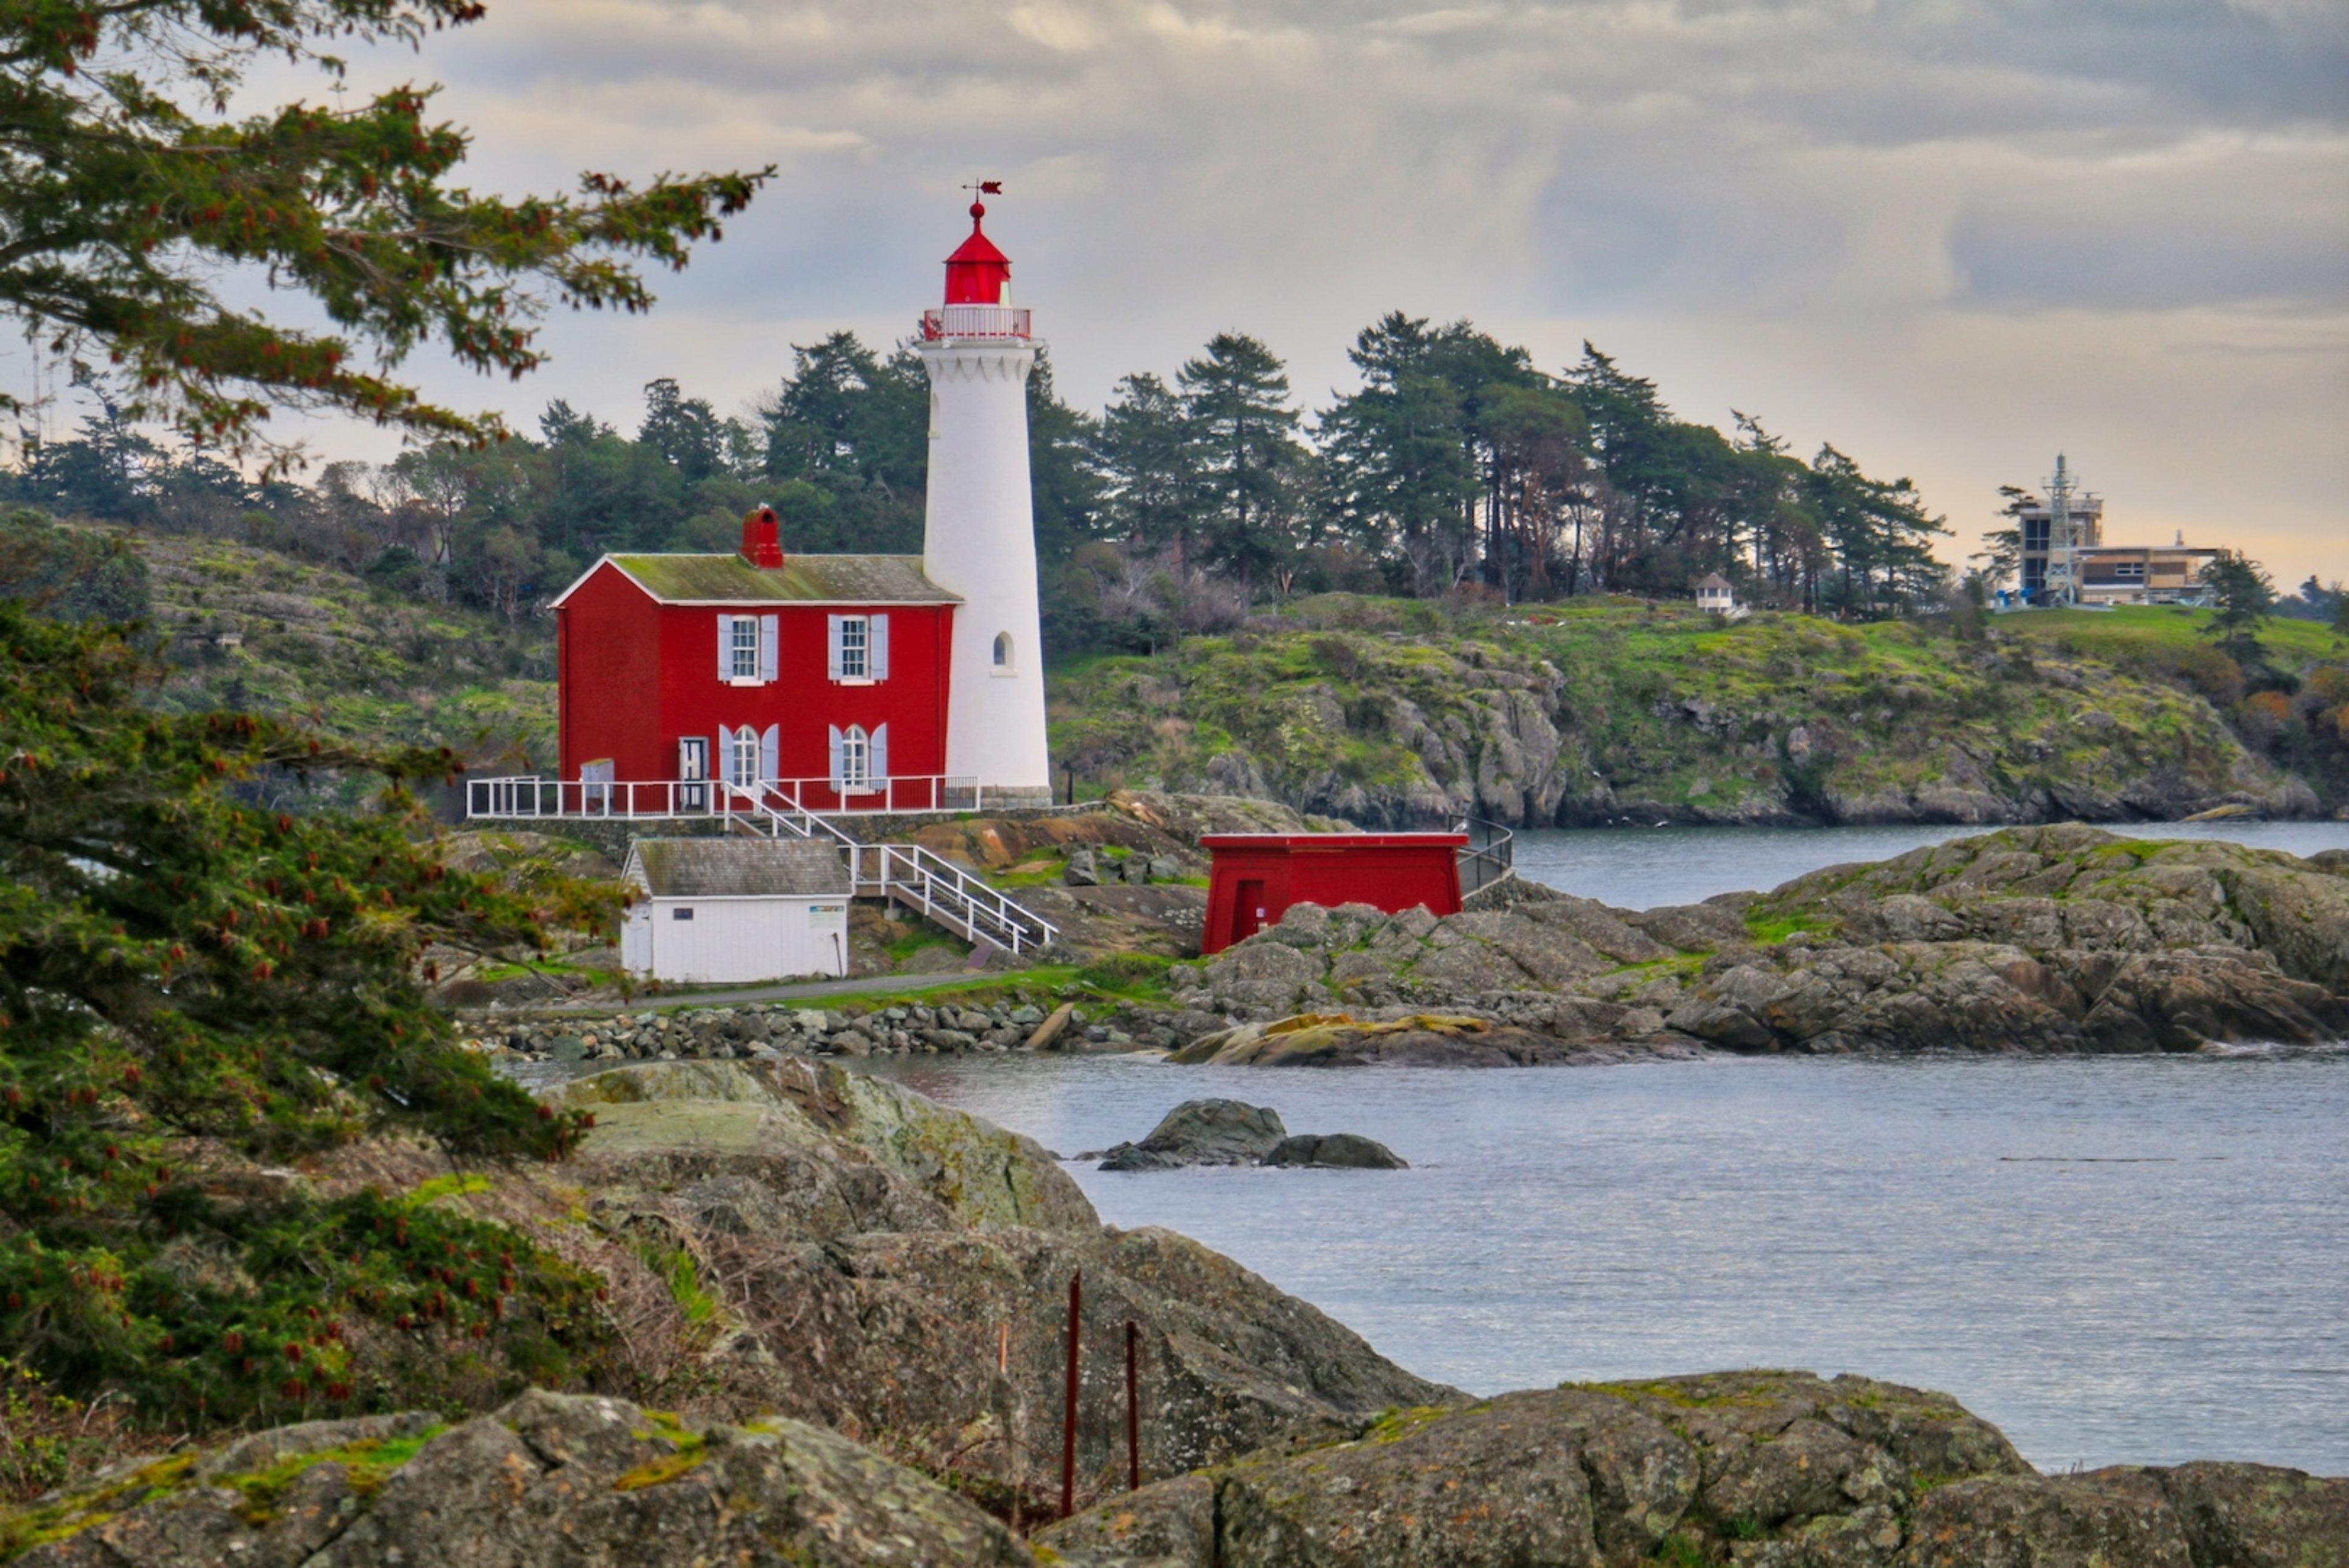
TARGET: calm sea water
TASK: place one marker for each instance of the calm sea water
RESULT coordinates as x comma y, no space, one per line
1640,867
2115,1258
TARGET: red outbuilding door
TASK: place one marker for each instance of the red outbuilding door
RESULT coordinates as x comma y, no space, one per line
1248,909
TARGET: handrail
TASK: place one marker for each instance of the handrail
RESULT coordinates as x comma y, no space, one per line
529,796
776,807
1490,854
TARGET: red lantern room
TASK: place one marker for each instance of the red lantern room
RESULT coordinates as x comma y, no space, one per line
979,291
979,274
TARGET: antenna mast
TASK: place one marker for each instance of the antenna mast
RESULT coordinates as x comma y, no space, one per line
2063,582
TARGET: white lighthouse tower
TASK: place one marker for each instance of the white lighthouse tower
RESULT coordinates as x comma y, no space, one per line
979,540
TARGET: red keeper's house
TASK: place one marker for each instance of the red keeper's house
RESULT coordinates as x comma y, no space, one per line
815,681
1256,876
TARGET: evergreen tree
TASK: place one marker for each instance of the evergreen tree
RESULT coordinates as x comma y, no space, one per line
1065,486
2242,598
1236,402
1149,460
854,430
186,983
128,196
1400,460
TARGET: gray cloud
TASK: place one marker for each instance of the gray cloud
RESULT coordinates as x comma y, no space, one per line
1846,214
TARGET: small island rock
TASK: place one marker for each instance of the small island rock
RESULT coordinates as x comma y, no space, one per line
1202,1132
1341,1151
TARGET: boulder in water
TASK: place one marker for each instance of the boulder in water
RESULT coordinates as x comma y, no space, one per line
1202,1132
1340,1151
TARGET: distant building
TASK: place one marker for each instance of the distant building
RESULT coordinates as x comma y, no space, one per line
2034,518
727,910
1715,594
2101,573
2144,575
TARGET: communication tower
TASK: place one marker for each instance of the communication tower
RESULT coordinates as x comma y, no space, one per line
2063,538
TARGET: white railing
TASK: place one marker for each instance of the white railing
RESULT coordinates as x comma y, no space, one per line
908,795
947,893
801,808
974,321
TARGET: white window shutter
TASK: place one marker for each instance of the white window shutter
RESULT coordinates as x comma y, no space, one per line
877,764
771,632
876,651
770,753
832,624
838,761
725,648
726,753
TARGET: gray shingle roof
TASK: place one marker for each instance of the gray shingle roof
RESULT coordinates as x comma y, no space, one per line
739,868
803,579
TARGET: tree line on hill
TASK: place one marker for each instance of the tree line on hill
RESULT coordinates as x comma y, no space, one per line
1456,465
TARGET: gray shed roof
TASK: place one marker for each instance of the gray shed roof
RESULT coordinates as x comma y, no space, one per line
1716,582
739,868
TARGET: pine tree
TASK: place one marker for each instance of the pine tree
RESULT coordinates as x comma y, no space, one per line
1236,401
188,983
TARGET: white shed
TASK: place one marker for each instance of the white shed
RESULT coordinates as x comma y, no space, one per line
725,910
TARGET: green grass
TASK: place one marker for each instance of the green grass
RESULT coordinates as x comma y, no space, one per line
2133,631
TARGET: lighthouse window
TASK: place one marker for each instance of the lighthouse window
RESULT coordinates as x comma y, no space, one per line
1003,650
855,646
745,644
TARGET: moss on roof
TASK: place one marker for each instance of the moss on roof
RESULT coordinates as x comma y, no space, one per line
816,579
739,868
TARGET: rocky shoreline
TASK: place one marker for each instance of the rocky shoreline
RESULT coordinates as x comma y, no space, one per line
2049,940
852,1302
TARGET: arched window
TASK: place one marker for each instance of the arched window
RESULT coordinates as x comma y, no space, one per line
855,758
1003,650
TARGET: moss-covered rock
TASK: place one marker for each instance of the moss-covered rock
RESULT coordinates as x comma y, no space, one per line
1609,709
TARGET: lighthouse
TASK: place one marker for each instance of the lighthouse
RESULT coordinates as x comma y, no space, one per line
980,535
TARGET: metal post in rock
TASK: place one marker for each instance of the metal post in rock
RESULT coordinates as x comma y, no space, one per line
1069,1406
1132,1409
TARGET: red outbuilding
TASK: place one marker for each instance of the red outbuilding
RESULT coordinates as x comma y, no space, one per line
1256,876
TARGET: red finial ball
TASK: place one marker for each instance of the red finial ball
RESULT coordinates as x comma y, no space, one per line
977,210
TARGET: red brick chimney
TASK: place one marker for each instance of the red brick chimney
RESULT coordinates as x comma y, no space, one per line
762,544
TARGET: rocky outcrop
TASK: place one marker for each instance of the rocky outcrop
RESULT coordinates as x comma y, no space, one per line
1407,715
550,1480
894,1269
1232,1132
1335,1151
1763,1470
2063,939
865,1294
1200,1132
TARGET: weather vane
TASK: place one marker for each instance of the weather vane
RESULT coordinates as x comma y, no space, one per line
986,187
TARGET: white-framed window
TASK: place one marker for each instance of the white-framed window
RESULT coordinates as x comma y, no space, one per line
858,651
742,759
1003,650
859,758
747,649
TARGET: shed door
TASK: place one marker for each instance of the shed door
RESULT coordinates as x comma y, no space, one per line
1248,908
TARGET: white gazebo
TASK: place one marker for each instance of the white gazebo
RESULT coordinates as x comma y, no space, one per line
1714,594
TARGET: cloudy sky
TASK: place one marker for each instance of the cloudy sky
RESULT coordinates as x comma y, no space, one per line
1952,236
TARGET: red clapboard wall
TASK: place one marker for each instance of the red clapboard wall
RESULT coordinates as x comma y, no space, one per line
1256,876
